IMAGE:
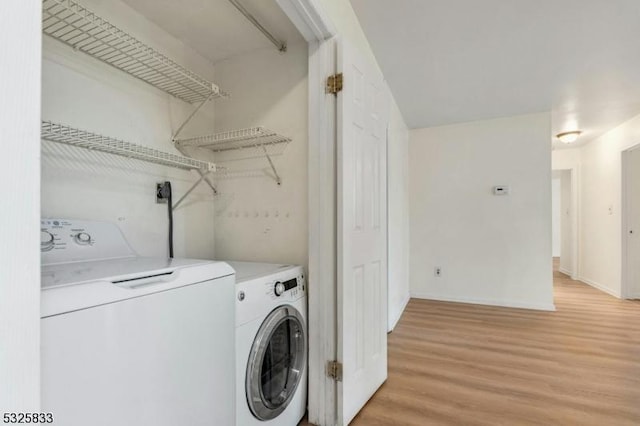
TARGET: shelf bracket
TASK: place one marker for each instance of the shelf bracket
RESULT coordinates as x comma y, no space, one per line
203,177
273,168
282,46
208,182
193,113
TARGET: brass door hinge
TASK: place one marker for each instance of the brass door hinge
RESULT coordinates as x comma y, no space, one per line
334,370
334,83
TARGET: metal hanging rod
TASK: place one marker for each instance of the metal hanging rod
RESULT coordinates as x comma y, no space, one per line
282,46
70,23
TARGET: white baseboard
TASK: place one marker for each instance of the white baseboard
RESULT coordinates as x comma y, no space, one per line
565,271
600,287
489,302
394,321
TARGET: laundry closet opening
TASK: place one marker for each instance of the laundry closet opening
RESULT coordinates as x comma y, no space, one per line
174,134
252,126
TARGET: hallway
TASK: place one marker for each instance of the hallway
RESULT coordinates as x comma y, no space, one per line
455,364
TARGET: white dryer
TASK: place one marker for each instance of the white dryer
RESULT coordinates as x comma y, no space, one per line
271,344
133,341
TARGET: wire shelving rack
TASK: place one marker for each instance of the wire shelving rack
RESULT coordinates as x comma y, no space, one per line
72,24
67,135
242,144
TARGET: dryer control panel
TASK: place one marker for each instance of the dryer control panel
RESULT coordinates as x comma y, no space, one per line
280,287
285,289
70,240
258,296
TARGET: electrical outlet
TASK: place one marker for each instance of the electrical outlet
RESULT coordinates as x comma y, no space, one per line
437,271
159,198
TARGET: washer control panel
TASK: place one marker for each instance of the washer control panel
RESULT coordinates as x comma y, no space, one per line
82,238
47,240
70,240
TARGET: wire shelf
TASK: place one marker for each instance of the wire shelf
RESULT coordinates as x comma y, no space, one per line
226,173
254,142
76,26
60,133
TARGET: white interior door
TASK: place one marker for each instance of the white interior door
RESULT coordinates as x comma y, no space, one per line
633,224
362,235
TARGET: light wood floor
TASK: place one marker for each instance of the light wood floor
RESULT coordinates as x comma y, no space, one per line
457,364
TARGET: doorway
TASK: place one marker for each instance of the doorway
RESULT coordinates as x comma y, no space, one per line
565,221
631,223
556,215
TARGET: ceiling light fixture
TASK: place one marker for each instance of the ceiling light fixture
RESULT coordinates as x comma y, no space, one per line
569,137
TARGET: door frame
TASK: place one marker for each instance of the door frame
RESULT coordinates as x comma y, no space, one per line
626,290
20,81
574,172
313,23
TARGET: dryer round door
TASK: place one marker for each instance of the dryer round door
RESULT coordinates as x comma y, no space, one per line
276,362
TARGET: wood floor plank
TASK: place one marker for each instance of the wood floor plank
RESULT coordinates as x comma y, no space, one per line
460,364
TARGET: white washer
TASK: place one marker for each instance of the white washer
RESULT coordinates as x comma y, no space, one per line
271,344
128,340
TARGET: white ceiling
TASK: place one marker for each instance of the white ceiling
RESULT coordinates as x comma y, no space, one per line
215,28
451,61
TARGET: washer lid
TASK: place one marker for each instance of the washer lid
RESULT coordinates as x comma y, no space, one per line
80,285
63,274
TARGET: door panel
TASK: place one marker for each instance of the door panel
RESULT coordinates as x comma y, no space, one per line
362,236
633,223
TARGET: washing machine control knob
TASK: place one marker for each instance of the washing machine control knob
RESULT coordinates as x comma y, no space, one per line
278,289
82,238
46,241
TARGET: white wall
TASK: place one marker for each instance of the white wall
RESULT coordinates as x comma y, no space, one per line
20,172
556,217
565,159
90,95
566,223
257,220
492,249
601,206
398,216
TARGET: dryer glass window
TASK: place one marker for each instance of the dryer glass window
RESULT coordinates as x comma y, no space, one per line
276,363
